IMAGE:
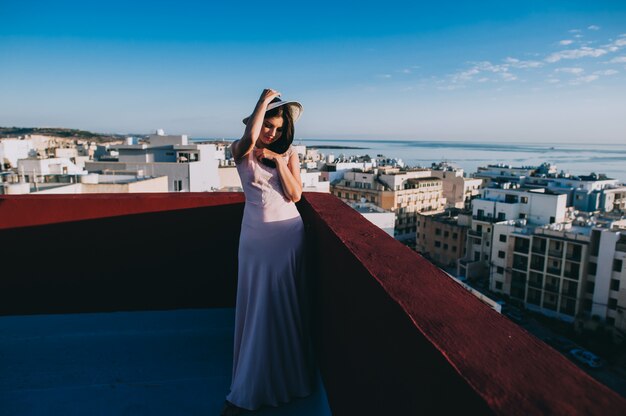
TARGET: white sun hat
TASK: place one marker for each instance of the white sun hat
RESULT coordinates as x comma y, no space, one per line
294,107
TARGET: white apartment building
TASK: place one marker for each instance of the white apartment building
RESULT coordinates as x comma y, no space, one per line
11,150
385,220
189,167
32,168
572,272
509,202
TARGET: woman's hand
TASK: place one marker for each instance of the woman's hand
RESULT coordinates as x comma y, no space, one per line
264,153
244,146
268,95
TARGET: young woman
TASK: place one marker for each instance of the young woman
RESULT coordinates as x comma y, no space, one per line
271,352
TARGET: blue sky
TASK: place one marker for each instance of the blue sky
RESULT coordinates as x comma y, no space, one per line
447,70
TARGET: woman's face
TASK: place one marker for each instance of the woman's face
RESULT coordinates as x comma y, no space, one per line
271,130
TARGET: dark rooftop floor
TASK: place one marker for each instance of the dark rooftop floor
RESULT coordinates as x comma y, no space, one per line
124,363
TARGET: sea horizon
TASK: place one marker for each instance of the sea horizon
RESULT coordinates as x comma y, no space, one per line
573,158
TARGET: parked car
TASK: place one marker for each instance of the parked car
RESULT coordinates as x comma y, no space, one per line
587,357
561,343
515,315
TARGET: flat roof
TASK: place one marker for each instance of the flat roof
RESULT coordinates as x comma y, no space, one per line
142,363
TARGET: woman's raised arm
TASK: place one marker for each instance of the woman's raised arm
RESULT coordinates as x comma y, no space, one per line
243,146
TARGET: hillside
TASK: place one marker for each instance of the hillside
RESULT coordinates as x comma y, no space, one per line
62,133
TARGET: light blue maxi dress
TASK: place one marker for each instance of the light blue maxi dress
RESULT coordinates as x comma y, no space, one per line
271,362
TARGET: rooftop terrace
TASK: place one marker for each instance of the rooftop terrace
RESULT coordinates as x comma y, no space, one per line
123,304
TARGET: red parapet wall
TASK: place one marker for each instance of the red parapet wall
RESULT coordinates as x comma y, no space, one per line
30,210
114,252
396,335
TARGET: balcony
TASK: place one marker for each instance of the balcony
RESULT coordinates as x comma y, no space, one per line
484,218
554,270
149,282
555,253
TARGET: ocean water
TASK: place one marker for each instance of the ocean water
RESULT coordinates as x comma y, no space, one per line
576,159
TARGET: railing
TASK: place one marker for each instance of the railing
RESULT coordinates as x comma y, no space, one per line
554,270
568,291
483,218
403,326
521,249
555,253
539,250
552,288
573,256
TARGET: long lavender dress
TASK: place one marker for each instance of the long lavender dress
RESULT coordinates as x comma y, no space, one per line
271,362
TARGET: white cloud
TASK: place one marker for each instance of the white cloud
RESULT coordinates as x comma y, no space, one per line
516,63
386,76
607,72
574,31
576,54
584,80
507,76
566,42
553,80
405,71
573,71
593,27
618,60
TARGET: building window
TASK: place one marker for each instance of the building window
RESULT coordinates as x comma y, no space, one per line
501,254
552,220
522,216
592,267
524,200
178,185
437,231
503,238
501,216
454,249
614,284
455,235
612,303
500,270
610,321
590,287
486,257
445,246
498,285
617,265
437,243
446,233
339,194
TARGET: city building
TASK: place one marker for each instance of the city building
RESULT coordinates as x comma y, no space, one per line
189,167
403,192
441,237
506,202
457,189
385,220
573,271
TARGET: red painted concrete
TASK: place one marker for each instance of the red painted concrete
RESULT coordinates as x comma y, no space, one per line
509,371
118,252
29,210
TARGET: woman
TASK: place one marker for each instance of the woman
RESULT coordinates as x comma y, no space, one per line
270,363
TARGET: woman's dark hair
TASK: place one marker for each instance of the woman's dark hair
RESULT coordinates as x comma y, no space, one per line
281,145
